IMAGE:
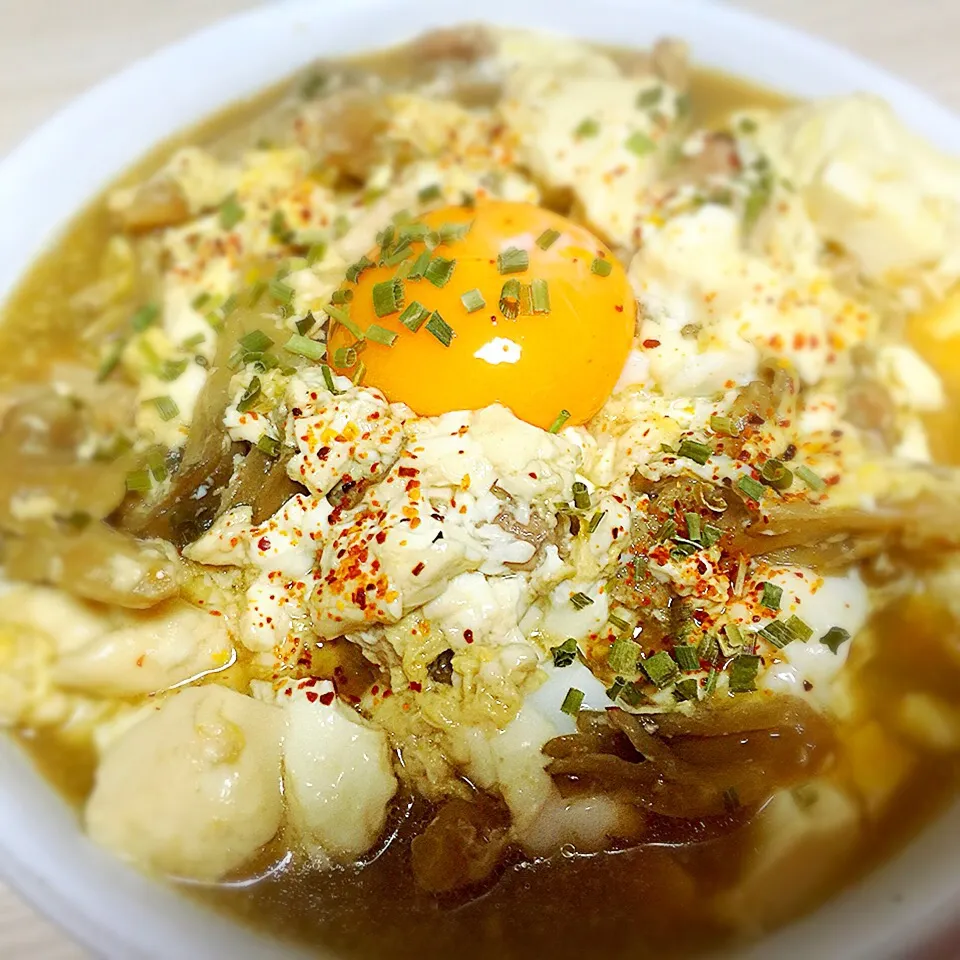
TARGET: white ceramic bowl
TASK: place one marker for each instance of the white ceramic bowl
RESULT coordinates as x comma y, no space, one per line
905,909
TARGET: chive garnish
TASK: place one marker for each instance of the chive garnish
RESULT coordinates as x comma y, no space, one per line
801,630
449,232
344,319
810,478
510,299
429,193
166,407
640,144
596,520
156,463
581,496
414,315
280,291
328,379
250,396
562,417
344,357
473,300
270,446
565,654
752,488
540,296
381,335
316,253
305,347
355,270
305,325
340,298
601,267
710,534
623,656
231,213
387,297
440,328
650,97
588,127
726,426
616,688
359,373
548,238
709,649
834,638
774,474
419,267
439,271
733,636
618,622
581,600
695,450
401,253
279,228
139,481
711,686
572,702
693,525
660,668
110,360
256,341
513,260
777,633
145,317
668,529
632,694
771,596
743,673
413,231
686,689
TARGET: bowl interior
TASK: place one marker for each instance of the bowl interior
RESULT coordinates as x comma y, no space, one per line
109,907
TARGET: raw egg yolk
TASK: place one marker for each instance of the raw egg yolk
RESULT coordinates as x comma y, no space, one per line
502,302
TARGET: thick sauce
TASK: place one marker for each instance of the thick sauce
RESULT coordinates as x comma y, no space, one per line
647,901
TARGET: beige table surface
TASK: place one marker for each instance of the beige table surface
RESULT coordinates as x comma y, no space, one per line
51,50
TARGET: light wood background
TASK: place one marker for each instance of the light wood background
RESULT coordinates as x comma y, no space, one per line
52,50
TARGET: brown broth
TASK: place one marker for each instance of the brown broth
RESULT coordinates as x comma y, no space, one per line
645,901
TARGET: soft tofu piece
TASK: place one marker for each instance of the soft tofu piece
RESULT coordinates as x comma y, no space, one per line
930,722
193,790
147,652
338,775
878,765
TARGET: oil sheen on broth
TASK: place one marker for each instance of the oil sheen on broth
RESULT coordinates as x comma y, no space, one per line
646,898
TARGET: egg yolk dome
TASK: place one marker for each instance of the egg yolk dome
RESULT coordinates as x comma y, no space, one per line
501,302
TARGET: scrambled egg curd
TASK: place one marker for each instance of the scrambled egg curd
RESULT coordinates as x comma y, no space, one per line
488,463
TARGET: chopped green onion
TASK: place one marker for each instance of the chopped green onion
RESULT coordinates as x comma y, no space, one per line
752,488
734,638
388,297
439,271
810,478
710,534
110,360
473,300
684,548
540,296
328,379
257,289
343,318
381,335
686,689
562,417
419,267
774,474
726,426
200,301
316,253
548,238
355,270
279,228
231,213
695,450
513,260
139,481
618,622
601,267
581,600
305,347
305,325
359,373
616,688
440,328
414,315
341,297
711,687
661,669
565,654
743,673
623,656
429,193
280,291
596,520
777,633
640,144
344,357
693,525
771,596
650,97
686,656
250,395
709,649
632,694
166,407
270,446
255,342
801,630
449,232
401,253
413,231
588,127
145,317
834,638
667,531
581,496
341,226
572,702
156,462
510,299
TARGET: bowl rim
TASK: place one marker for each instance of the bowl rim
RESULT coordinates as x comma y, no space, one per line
109,908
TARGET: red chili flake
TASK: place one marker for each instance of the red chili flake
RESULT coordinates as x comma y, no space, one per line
263,543
374,689
418,569
416,687
312,696
619,308
323,453
140,659
327,698
381,536
407,471
651,344
297,412
468,636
